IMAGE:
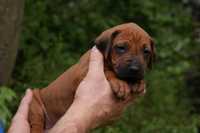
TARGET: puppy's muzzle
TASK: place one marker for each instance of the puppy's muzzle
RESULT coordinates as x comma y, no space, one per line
134,67
131,72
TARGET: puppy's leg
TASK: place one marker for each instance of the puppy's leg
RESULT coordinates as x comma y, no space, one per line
36,116
138,88
120,88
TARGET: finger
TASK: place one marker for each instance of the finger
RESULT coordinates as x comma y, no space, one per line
96,62
24,105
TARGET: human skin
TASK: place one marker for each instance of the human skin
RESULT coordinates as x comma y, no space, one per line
94,104
20,122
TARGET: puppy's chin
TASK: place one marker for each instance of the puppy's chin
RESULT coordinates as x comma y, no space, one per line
131,78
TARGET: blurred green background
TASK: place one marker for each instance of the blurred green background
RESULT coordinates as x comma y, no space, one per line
55,34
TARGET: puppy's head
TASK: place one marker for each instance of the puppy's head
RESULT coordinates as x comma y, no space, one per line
128,50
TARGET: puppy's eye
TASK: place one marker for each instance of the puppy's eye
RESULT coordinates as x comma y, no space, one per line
120,48
146,51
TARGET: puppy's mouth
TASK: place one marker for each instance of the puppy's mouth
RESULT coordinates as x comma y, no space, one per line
131,79
129,76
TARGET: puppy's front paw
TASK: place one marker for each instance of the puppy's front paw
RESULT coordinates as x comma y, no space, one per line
120,88
138,88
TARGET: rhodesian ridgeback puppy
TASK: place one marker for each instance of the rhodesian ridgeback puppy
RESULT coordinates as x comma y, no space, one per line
128,52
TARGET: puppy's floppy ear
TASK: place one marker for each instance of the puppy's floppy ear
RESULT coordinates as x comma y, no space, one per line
105,41
153,55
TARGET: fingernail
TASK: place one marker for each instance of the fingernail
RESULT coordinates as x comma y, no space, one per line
94,49
144,91
28,90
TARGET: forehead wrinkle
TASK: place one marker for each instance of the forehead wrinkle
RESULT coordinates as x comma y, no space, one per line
134,36
136,39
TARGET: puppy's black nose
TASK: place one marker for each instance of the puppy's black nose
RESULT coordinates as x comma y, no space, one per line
134,69
134,66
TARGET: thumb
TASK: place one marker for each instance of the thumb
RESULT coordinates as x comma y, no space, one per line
96,65
24,105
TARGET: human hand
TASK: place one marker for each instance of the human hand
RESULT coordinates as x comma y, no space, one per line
20,122
94,102
95,93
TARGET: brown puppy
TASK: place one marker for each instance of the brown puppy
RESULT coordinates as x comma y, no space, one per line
128,51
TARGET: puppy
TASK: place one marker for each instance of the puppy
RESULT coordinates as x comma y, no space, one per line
128,52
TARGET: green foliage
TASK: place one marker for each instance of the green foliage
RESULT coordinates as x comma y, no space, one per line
56,33
7,96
